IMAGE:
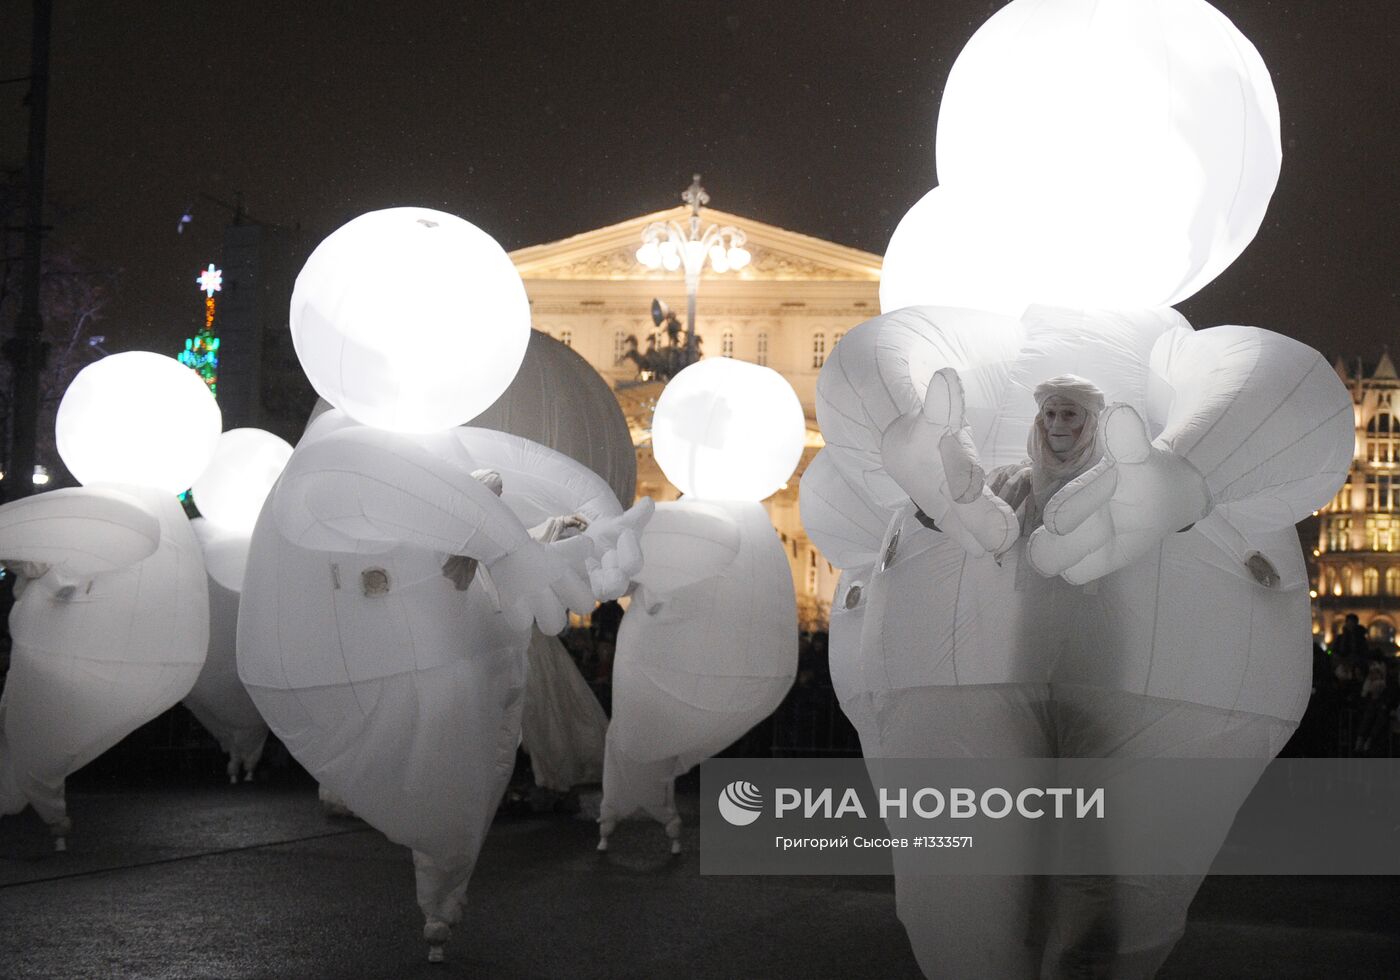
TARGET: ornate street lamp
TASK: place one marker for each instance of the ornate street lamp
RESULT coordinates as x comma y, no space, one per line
668,245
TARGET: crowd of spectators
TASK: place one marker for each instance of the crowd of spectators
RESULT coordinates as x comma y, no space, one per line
1355,695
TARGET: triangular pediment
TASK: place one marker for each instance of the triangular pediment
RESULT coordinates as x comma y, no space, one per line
778,254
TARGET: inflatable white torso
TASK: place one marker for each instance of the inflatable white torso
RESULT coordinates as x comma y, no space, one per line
698,668
1188,621
384,680
153,612
95,657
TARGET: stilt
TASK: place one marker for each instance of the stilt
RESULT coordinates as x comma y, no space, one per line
437,933
605,829
673,831
59,831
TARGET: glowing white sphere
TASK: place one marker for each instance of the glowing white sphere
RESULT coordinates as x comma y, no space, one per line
137,418
947,252
728,430
410,319
231,490
1135,143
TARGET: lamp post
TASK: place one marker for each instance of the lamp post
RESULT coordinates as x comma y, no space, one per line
669,245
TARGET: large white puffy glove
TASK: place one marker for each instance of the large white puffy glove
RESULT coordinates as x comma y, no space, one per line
541,582
617,554
931,455
1121,508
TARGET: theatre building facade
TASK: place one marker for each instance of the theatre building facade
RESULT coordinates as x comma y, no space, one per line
1357,555
786,309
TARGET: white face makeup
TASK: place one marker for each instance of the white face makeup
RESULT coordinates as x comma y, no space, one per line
1064,421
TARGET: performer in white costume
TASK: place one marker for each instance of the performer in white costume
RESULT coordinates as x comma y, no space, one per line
392,581
708,647
1112,158
846,526
111,620
230,494
977,641
559,401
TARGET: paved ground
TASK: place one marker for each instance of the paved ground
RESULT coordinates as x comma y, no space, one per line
253,881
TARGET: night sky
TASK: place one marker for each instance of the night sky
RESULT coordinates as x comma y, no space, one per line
539,120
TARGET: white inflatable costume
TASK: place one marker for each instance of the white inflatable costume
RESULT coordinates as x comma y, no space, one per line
369,637
1110,158
229,495
708,647
846,525
111,620
559,401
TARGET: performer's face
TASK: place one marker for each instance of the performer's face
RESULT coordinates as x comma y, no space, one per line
1063,421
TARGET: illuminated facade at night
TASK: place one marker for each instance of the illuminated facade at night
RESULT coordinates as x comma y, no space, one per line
1357,555
786,309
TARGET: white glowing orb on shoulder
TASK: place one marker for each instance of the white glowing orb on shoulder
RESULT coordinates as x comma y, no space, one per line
728,430
231,490
1135,143
946,252
137,418
410,319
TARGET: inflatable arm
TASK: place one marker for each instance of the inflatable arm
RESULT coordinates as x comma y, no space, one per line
891,402
540,483
80,531
1264,418
844,525
683,544
367,490
363,489
1256,432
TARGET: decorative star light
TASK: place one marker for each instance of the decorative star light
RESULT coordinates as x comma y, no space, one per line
211,280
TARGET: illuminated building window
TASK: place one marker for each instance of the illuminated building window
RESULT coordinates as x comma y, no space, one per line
1382,436
812,573
1381,533
1370,581
566,337
836,338
1339,534
1342,585
762,357
619,345
726,344
1392,580
818,349
1382,492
